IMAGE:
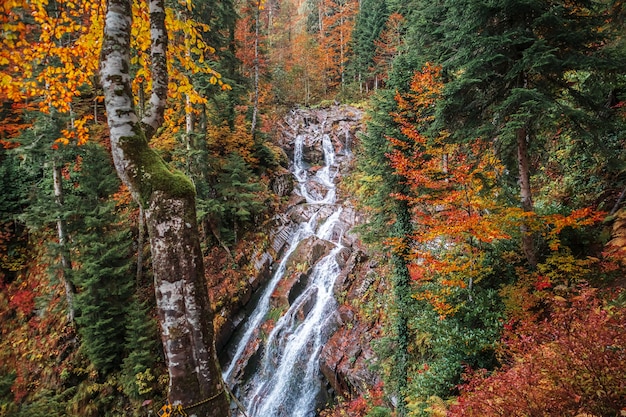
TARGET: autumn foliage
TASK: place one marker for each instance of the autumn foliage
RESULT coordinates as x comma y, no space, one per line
337,22
570,362
362,405
452,191
456,198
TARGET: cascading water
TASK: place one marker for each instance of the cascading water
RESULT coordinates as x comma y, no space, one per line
287,380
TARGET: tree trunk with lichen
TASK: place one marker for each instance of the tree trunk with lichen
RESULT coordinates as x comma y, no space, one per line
168,200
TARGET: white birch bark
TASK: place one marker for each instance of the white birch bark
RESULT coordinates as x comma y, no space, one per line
155,111
257,34
523,163
168,199
66,264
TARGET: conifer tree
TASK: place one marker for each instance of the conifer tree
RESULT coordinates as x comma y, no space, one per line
240,192
105,272
378,189
15,182
50,202
105,281
221,18
518,72
141,349
369,24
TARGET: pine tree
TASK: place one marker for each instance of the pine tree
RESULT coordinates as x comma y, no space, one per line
105,281
221,18
50,197
104,275
240,194
518,72
142,351
15,182
378,186
370,22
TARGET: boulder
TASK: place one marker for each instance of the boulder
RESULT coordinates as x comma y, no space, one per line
298,269
346,358
282,183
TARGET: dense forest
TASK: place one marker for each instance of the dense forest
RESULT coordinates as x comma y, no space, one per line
140,169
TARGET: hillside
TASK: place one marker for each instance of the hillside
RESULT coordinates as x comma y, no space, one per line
449,178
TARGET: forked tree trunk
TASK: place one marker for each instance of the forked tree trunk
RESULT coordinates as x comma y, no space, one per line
168,199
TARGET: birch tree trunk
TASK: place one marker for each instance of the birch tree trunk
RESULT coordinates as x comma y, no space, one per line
523,163
257,34
168,200
66,264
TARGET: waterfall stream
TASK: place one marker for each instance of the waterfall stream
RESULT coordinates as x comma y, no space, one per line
286,380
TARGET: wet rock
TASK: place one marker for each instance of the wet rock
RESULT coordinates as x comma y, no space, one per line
282,233
262,262
346,358
308,252
282,183
343,257
312,153
302,212
298,269
348,273
306,305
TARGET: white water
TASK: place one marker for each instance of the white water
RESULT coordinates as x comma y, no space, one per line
287,382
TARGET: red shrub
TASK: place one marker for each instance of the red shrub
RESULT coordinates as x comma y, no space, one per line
574,362
23,301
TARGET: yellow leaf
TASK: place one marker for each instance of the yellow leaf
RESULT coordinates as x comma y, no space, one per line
6,80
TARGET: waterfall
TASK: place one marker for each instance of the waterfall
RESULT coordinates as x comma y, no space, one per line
288,383
287,380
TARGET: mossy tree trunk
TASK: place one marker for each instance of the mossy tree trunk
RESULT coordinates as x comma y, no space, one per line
168,200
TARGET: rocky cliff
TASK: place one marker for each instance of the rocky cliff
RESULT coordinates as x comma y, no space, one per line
345,357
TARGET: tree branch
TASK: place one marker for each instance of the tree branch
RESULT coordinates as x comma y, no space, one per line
155,111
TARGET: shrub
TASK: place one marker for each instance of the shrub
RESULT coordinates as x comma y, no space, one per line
572,362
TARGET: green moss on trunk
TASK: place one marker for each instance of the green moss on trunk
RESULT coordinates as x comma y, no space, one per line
152,172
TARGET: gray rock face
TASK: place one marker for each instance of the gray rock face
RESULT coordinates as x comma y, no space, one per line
341,123
282,184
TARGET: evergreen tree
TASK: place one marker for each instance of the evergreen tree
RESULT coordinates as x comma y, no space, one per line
105,282
105,275
50,197
519,72
370,22
221,18
15,182
378,187
142,351
515,74
239,190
